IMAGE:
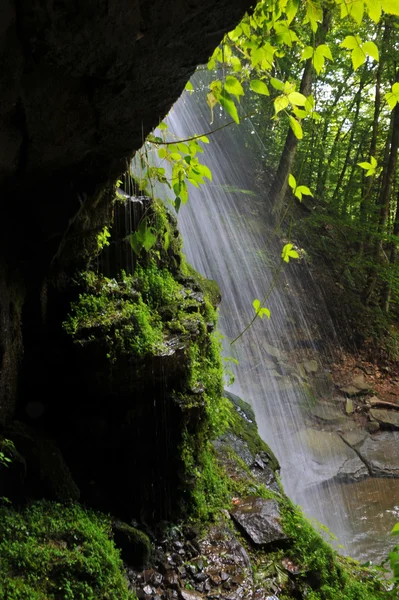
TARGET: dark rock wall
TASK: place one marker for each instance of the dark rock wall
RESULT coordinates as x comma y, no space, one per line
81,85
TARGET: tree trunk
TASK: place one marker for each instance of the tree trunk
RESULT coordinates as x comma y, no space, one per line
280,182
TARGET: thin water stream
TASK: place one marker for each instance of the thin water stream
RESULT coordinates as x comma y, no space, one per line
229,236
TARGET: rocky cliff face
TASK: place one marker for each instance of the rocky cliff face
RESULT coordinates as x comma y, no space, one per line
81,86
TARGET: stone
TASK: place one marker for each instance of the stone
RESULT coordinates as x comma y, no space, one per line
349,408
359,382
272,351
388,419
380,453
328,458
190,595
351,390
135,548
259,518
310,366
372,427
327,412
354,437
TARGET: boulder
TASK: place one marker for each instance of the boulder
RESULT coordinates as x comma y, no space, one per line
328,458
388,419
380,453
259,519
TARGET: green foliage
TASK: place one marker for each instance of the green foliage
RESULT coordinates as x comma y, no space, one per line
54,551
7,450
103,238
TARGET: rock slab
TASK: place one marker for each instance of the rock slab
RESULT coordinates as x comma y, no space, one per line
259,518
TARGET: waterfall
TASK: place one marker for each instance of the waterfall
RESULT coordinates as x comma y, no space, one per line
229,236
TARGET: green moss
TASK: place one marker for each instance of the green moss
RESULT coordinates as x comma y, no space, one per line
54,551
327,575
209,287
243,424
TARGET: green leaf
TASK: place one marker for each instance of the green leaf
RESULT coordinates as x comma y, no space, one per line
390,6
307,53
260,310
373,162
303,189
162,152
228,104
392,97
350,42
288,252
205,171
291,181
259,87
204,139
395,529
177,204
162,126
135,243
358,58
371,49
280,103
296,127
291,9
374,10
149,239
297,99
325,51
189,87
277,84
233,86
365,165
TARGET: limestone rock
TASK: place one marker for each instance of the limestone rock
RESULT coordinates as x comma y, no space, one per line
360,383
328,457
351,390
380,452
311,366
259,518
388,419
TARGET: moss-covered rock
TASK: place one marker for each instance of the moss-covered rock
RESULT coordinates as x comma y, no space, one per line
135,546
55,551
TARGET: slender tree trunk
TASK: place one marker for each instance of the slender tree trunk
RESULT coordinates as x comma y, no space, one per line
347,160
393,258
280,182
384,200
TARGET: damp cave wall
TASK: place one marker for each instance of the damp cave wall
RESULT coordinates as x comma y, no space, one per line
81,85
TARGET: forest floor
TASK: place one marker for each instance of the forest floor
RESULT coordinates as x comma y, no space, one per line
382,378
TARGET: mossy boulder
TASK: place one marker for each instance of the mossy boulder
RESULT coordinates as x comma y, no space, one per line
135,546
53,551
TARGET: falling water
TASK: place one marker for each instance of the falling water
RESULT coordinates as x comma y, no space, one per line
229,236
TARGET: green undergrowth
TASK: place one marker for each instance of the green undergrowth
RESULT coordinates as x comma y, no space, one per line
56,552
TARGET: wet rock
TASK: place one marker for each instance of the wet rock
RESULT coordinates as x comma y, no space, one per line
388,419
380,452
272,351
227,565
328,458
135,546
359,382
310,366
351,390
190,595
328,413
354,437
259,518
372,426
